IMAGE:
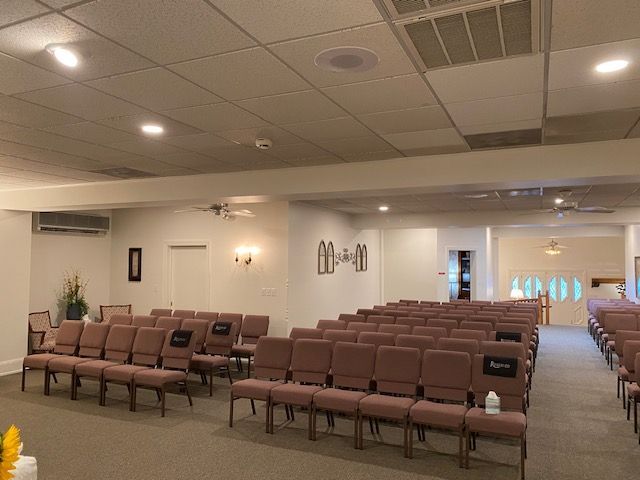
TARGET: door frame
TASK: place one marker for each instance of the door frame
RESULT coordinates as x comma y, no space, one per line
166,267
474,277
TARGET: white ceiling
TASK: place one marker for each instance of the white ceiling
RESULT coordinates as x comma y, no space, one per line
219,73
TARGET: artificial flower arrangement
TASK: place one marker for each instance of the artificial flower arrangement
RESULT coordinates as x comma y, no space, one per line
9,452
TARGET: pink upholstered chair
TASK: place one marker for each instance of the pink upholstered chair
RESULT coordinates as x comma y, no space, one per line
393,313
331,325
183,314
411,321
368,311
42,334
144,321
199,328
377,338
623,374
421,342
457,317
119,319
633,394
352,317
219,341
362,327
209,316
484,317
234,318
168,323
425,315
616,322
395,329
448,324
436,332
381,319
466,345
106,311
334,336
486,327
478,335
298,333
253,327
160,312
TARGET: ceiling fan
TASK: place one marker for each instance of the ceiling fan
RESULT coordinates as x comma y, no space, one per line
552,248
220,210
563,207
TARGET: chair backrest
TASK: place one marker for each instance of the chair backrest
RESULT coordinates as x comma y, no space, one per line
362,327
524,338
458,317
234,318
199,327
340,336
485,327
209,316
311,360
381,319
621,337
411,321
517,321
630,350
484,317
39,321
394,329
273,357
219,340
446,375
368,311
298,333
504,349
254,327
408,302
424,315
393,313
352,365
466,345
68,337
377,338
511,390
518,312
120,319
168,323
93,339
397,370
495,308
147,346
447,324
436,332
106,311
177,358
331,325
183,314
144,321
352,317
513,328
119,343
620,321
408,308
421,342
478,335
463,311
160,312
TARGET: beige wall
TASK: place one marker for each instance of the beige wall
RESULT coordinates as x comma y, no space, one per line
15,257
632,250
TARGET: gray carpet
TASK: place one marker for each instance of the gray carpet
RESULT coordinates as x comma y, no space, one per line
577,429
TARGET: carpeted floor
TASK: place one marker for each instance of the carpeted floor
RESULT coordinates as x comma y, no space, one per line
577,430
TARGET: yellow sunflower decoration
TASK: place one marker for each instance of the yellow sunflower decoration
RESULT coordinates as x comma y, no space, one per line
9,446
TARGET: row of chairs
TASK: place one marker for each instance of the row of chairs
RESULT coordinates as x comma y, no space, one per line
392,383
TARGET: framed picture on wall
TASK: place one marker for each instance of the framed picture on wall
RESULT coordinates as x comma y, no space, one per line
135,264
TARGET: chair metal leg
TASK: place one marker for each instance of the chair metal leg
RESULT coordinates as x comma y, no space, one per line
211,382
271,417
253,406
310,422
460,438
231,400
133,390
74,385
635,415
186,389
618,387
249,366
355,429
409,448
468,446
23,375
628,408
268,416
162,401
360,434
47,381
522,450
55,379
229,375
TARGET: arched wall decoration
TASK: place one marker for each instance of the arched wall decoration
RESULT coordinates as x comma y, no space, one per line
363,258
322,258
330,259
358,258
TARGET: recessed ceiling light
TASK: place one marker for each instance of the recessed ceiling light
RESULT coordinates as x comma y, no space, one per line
476,195
383,208
347,59
559,200
152,129
612,66
63,55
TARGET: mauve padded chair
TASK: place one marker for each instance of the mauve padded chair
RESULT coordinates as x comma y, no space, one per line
183,314
352,366
395,329
199,328
362,327
628,370
484,317
466,345
144,321
509,350
208,316
217,353
633,394
368,311
397,372
464,311
615,323
340,336
352,317
381,319
67,340
457,317
421,342
411,321
298,333
486,327
408,302
310,364
478,335
271,362
331,325
448,324
120,319
496,308
408,308
253,327
446,378
160,312
146,350
168,323
436,332
621,337
393,313
117,350
90,347
424,315
511,422
377,338
174,371
233,318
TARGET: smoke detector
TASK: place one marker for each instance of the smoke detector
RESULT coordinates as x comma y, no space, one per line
346,59
263,143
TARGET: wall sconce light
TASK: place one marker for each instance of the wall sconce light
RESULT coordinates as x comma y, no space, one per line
243,254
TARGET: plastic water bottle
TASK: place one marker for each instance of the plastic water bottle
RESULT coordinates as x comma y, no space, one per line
492,404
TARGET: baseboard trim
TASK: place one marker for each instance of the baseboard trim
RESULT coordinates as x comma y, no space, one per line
9,367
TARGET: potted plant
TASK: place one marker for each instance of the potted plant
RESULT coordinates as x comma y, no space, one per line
72,296
622,289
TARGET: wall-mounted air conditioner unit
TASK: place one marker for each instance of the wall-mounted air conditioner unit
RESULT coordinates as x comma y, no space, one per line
57,222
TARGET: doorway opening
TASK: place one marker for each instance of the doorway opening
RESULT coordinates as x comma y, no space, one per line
188,279
460,275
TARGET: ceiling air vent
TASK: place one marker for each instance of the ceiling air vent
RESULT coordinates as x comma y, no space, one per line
59,222
459,32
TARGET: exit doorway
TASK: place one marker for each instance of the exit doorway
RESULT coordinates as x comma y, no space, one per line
460,278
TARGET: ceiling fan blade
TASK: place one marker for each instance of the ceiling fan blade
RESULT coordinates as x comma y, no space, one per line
594,210
193,209
538,212
243,213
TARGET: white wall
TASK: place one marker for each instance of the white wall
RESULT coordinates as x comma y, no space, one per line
15,257
234,288
313,296
632,250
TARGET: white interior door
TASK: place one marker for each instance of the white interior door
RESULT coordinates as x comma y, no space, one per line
189,277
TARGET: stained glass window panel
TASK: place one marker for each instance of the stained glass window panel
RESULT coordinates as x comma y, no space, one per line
564,289
515,283
553,287
577,289
527,287
538,286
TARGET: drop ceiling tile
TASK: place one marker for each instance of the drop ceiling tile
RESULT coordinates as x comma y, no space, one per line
237,155
602,200
197,142
99,56
17,111
300,54
145,146
511,138
91,132
268,164
437,150
501,127
425,139
594,98
235,76
275,20
296,151
216,118
394,93
635,133
174,30
594,136
500,78
188,160
293,107
410,120
16,10
9,127
47,156
60,3
578,23
314,161
248,136
82,101
496,110
355,146
156,89
329,129
18,76
371,156
592,122
614,189
133,124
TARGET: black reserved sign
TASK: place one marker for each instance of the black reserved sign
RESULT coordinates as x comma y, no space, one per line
508,337
500,366
221,328
180,338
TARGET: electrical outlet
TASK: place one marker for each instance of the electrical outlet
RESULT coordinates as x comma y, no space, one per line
273,292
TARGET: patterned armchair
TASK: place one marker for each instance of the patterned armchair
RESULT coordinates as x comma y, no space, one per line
41,333
106,311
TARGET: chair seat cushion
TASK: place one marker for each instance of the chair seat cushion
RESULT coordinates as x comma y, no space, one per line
94,368
65,363
294,394
386,406
623,373
612,345
207,362
633,391
38,360
122,373
510,424
438,414
254,388
338,400
246,350
157,377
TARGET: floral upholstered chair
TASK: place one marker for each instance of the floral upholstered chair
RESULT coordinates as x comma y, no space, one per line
41,333
106,311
